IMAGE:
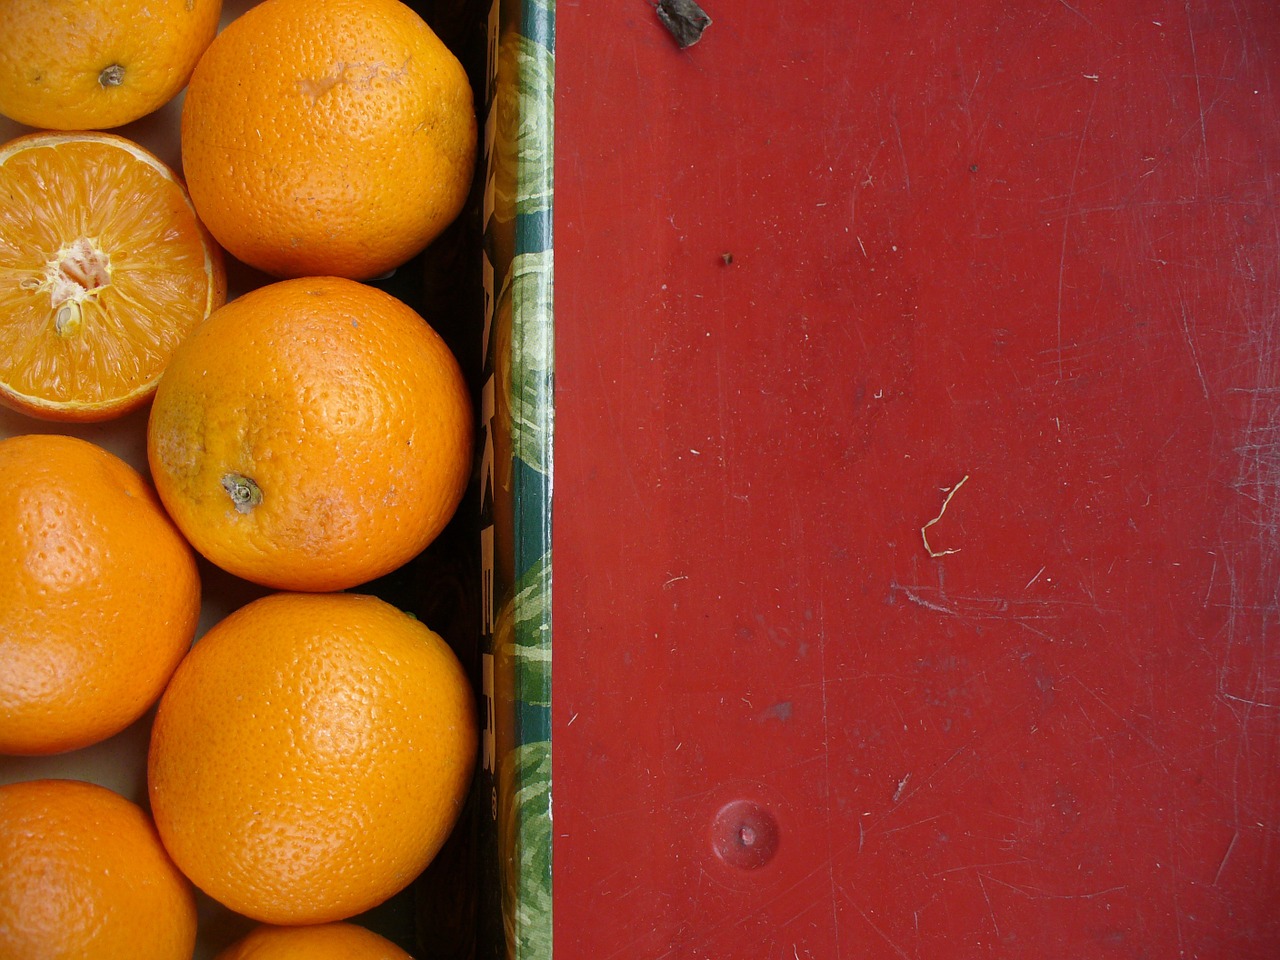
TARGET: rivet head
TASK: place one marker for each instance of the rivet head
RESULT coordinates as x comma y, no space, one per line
744,834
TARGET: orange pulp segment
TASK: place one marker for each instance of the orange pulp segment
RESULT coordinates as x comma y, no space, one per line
104,269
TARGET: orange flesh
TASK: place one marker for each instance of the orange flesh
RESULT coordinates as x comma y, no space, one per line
104,268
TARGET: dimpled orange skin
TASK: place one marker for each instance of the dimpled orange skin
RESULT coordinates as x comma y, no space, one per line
101,595
328,137
325,941
95,64
311,755
83,874
311,435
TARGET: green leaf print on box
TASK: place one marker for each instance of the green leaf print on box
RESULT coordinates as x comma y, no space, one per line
528,812
518,402
526,125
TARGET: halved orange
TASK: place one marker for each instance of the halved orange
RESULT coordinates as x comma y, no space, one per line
104,269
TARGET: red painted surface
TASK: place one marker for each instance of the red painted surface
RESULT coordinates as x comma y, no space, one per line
1031,244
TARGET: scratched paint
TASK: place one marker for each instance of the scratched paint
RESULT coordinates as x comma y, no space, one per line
1035,245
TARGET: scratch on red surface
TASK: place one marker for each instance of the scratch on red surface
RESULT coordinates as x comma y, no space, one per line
966,98
1195,71
826,776
991,910
1036,893
897,133
901,794
920,601
865,181
1124,720
1176,910
966,867
1066,221
874,926
1076,11
1191,346
1248,681
906,826
1025,612
1222,864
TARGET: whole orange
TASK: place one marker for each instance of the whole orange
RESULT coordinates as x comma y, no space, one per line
328,137
100,594
323,941
311,435
83,874
105,268
93,64
311,755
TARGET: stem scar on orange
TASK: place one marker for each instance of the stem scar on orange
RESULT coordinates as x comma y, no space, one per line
104,268
313,434
94,64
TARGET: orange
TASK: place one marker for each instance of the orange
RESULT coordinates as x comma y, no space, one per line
328,137
325,941
311,755
83,875
93,64
104,268
101,595
311,435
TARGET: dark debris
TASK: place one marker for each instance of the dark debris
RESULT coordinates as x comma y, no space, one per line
684,19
